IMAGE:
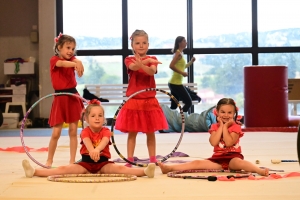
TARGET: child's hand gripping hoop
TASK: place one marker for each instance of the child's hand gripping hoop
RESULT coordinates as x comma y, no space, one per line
26,115
120,107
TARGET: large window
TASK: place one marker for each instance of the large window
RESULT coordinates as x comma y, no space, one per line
162,20
278,23
95,24
223,35
220,76
219,23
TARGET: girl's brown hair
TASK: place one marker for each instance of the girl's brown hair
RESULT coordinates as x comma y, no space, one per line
176,43
61,40
228,101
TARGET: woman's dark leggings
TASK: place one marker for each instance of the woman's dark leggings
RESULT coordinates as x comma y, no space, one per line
181,94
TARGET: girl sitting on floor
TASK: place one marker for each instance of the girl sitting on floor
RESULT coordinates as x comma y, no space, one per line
95,141
224,137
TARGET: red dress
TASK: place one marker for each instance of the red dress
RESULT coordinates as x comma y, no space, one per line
95,139
65,108
87,162
141,113
222,154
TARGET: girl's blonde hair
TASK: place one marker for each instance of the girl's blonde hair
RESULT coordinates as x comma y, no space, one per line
60,40
87,111
136,33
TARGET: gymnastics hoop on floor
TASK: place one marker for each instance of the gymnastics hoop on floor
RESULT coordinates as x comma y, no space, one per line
26,115
120,107
239,174
66,178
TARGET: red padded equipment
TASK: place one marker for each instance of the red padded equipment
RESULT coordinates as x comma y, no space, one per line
266,97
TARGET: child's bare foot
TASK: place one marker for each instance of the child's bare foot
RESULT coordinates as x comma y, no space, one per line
263,172
164,168
29,170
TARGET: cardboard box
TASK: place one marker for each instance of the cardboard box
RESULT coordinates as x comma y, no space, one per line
25,68
10,120
294,89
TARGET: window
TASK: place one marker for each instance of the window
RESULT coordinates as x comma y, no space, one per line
100,70
291,60
163,20
222,23
94,24
226,35
220,75
278,23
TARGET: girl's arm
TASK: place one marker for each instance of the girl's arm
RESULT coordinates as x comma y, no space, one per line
104,142
65,63
78,67
230,139
139,64
215,136
174,61
95,152
190,63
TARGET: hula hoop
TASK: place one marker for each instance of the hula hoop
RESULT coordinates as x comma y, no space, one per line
115,118
66,178
239,174
26,115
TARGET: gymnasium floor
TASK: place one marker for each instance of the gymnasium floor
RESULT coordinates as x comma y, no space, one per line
262,146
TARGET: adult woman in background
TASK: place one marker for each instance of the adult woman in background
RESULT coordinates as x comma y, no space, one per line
178,65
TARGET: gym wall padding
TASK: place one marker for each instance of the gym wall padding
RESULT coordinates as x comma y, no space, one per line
265,96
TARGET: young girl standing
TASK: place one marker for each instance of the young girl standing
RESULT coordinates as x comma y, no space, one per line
178,65
65,108
95,141
142,113
224,137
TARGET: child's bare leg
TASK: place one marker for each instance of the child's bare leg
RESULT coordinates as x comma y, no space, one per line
56,131
43,172
239,164
131,140
151,144
196,164
73,141
112,168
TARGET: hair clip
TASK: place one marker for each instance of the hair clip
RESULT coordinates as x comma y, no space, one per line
57,38
215,112
94,101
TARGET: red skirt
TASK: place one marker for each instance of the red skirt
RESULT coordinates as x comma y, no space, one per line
65,108
224,159
141,115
